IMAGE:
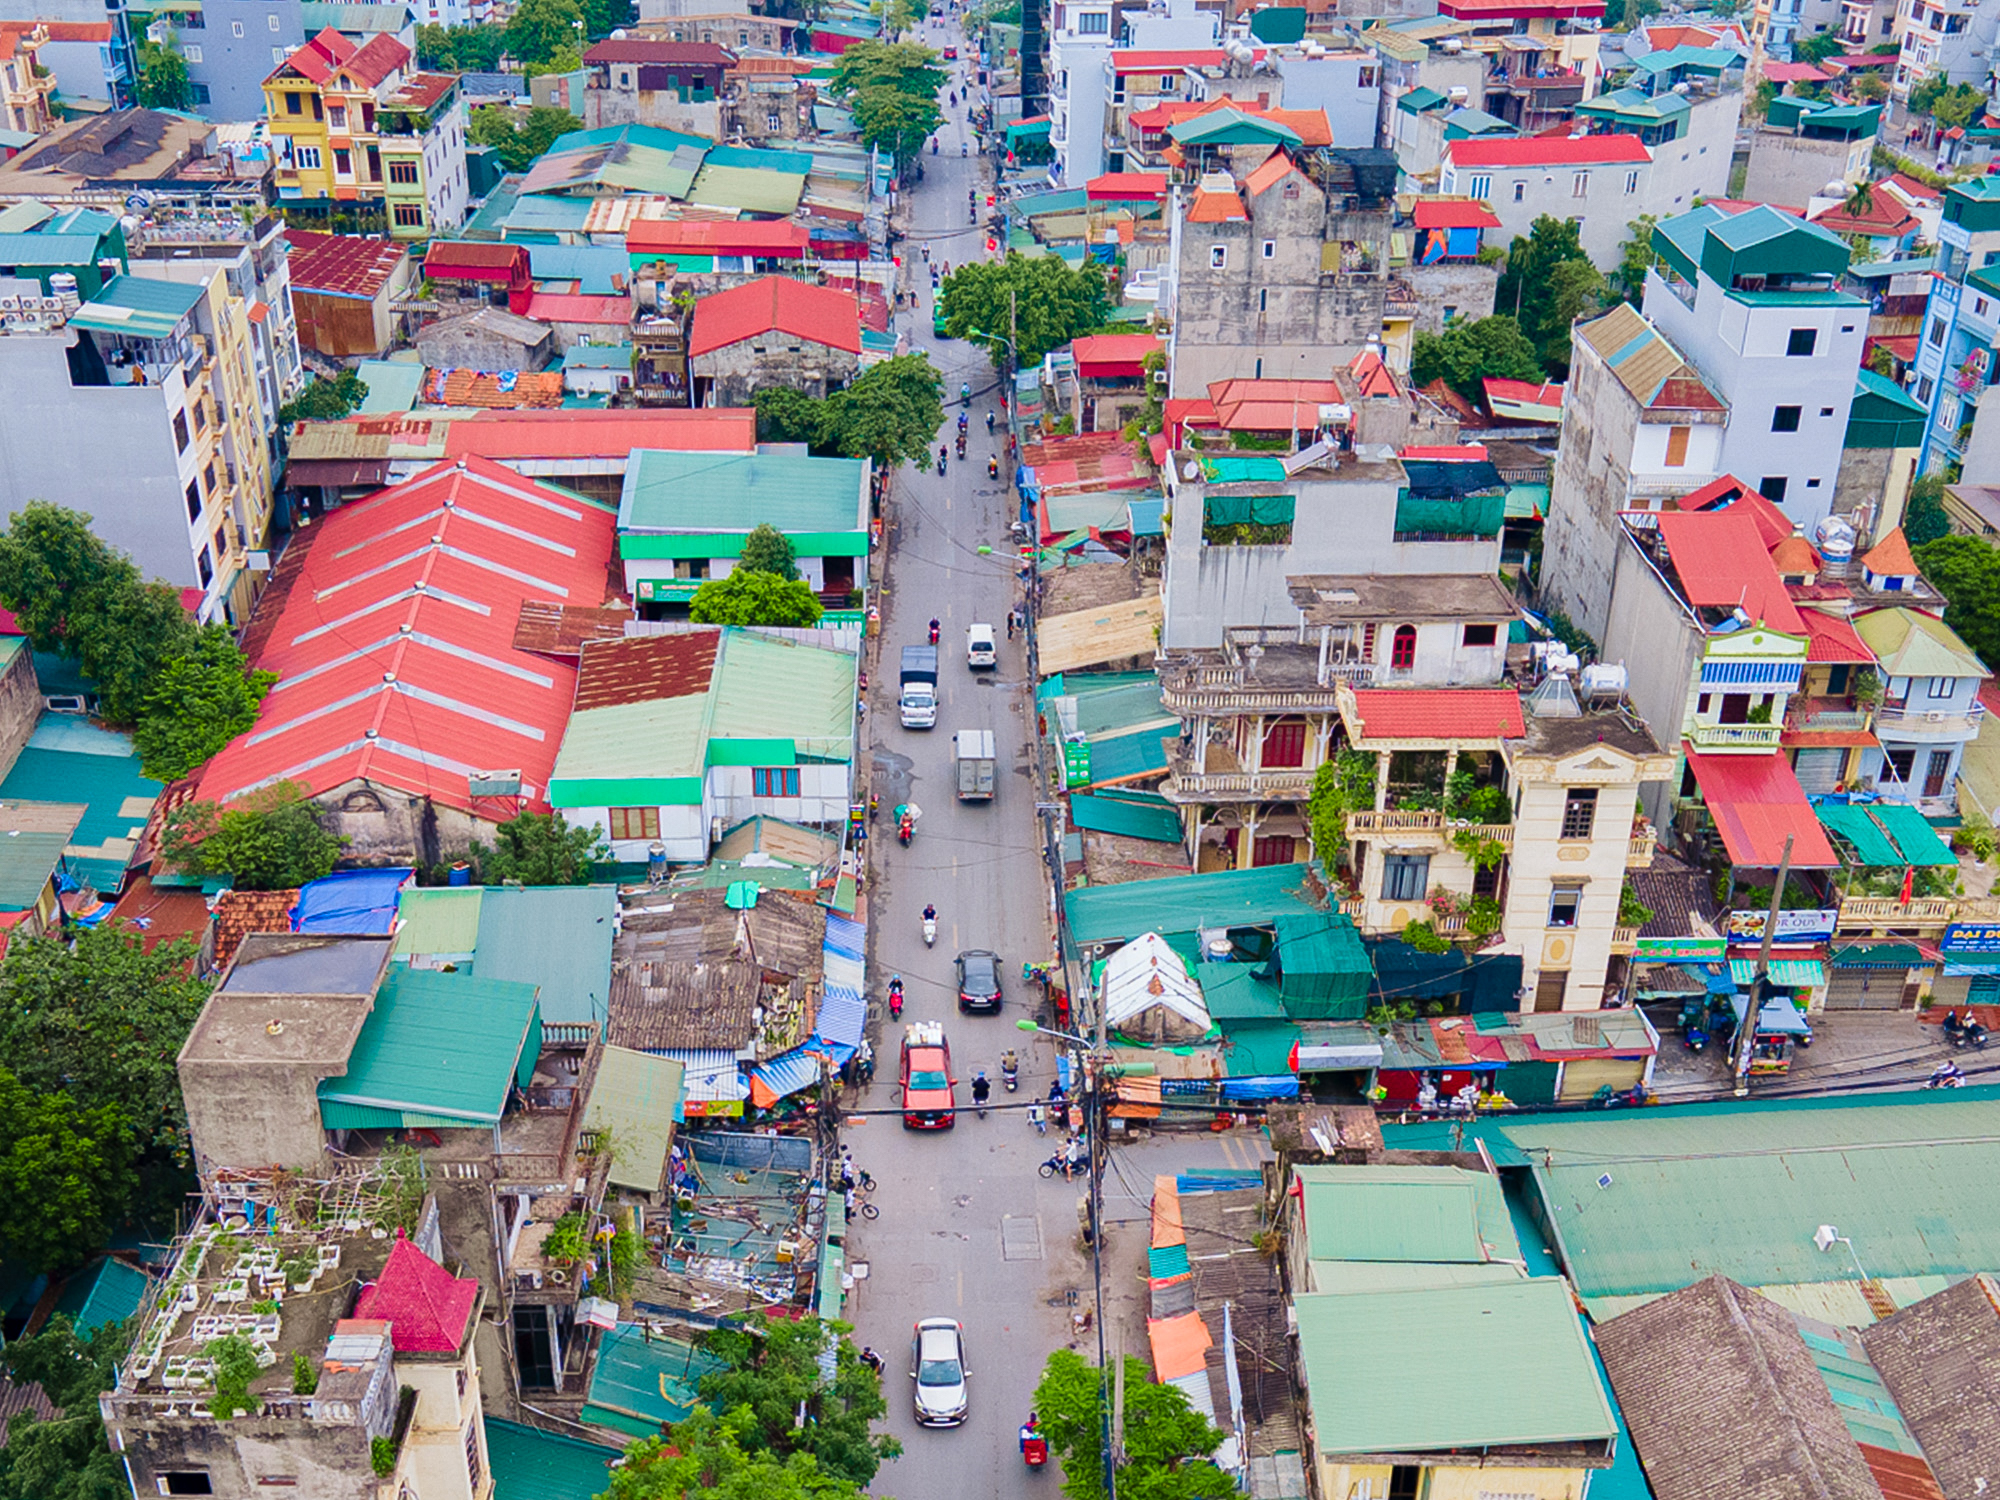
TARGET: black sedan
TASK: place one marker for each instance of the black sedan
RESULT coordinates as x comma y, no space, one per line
979,982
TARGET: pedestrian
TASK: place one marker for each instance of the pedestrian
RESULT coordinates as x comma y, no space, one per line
871,1359
1038,1117
1010,624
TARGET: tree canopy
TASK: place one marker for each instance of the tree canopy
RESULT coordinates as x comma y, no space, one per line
772,1373
198,704
519,142
1950,104
1167,1442
163,77
538,29
890,414
269,840
706,1456
461,49
1818,48
1966,570
540,849
768,550
325,400
67,1458
1467,352
894,122
893,88
1635,259
66,1175
747,597
1547,282
1924,518
1041,301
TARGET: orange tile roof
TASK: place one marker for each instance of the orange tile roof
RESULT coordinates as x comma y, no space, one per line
1372,374
1439,713
1312,125
240,913
500,392
1274,169
1795,555
1211,207
1890,557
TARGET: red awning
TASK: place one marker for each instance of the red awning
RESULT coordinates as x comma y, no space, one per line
1755,801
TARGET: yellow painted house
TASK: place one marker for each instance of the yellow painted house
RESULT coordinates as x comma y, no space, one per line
351,125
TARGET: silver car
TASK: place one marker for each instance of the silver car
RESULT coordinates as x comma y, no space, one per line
937,1360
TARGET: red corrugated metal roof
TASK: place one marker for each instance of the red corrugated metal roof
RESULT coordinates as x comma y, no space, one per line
1461,453
1487,10
343,264
776,304
1126,185
768,237
1722,563
1454,213
1113,354
1756,801
579,307
1439,713
1523,392
507,435
1168,62
394,646
1549,151
642,50
1732,494
1901,1476
1269,405
472,260
425,1306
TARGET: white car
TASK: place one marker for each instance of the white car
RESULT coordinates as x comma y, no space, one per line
980,650
937,1360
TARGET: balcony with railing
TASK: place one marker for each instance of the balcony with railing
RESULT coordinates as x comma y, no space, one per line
1265,669
1735,737
1222,778
1913,718
1391,823
1625,940
1645,840
1863,913
1825,715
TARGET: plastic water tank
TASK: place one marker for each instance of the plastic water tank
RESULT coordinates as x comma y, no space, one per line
1835,539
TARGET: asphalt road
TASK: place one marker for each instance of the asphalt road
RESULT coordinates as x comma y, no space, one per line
967,1229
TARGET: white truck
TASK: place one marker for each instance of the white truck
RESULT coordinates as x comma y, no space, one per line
981,654
973,750
918,699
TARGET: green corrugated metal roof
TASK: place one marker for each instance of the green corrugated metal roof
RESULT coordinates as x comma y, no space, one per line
1164,1262
1871,846
1121,706
1886,833
640,1383
1415,101
635,1096
1406,1214
1243,469
1368,1396
751,190
1404,1276
67,760
109,1292
660,740
1913,834
555,937
598,357
739,491
1106,815
1184,903
529,1464
1259,1049
1909,643
1737,1188
768,688
392,384
1323,971
1233,992
138,307
437,919
438,1044
1117,757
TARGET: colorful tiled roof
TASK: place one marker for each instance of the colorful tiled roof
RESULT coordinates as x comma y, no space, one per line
1549,151
1890,557
1439,713
776,304
344,264
425,1306
240,913
505,390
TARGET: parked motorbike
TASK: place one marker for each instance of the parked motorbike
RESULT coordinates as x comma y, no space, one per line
1034,1447
1967,1033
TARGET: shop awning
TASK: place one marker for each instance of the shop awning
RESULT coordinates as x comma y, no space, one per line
1886,833
1756,802
1878,956
1796,973
1036,129
1325,1049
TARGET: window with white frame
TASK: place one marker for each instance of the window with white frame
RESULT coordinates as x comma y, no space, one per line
1480,187
1218,256
1579,185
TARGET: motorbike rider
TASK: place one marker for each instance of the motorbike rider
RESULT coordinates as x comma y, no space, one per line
964,421
930,915
993,466
981,1089
965,393
989,421
934,623
895,991
944,455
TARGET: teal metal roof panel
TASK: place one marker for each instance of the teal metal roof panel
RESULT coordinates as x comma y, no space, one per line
636,1096
108,1292
1185,903
1368,1396
530,1464
437,919
1737,1189
70,761
438,1044
734,492
554,937
1129,820
640,1382
1420,1214
139,306
392,384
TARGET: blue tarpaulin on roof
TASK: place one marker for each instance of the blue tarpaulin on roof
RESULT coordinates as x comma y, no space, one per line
798,1069
350,901
1284,1086
842,1009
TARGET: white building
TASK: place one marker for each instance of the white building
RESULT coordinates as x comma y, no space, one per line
1082,80
1600,183
1751,299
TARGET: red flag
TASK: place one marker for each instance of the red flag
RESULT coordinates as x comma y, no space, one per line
1909,882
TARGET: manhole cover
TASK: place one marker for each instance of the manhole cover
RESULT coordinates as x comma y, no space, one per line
921,1273
1021,1238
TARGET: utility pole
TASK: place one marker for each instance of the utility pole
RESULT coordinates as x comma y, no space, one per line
1746,1034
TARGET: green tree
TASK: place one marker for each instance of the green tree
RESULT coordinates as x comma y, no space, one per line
1635,259
1576,290
539,27
50,559
772,1374
1817,49
270,840
520,142
1966,570
746,598
198,704
894,122
602,17
1542,296
768,550
66,1458
706,1456
461,49
904,66
1924,518
104,1019
541,849
786,414
163,77
434,48
124,640
325,400
66,1176
1041,300
1870,89
1466,353
891,413
1167,1442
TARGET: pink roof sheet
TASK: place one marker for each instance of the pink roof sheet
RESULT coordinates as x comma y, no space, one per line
425,1306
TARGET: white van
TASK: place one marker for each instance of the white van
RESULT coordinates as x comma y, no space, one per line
980,652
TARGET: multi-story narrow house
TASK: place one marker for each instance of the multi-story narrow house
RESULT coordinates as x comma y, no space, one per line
1955,354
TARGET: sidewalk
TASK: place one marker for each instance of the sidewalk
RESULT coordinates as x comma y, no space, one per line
1851,1049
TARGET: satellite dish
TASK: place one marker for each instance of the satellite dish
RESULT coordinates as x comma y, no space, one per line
1826,1237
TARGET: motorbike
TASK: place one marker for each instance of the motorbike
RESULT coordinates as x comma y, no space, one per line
965,394
1010,1073
993,468
934,632
961,445
941,463
1945,1075
930,932
1967,1033
989,421
1694,1030
896,1000
1060,1162
981,1090
905,831
1034,1447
